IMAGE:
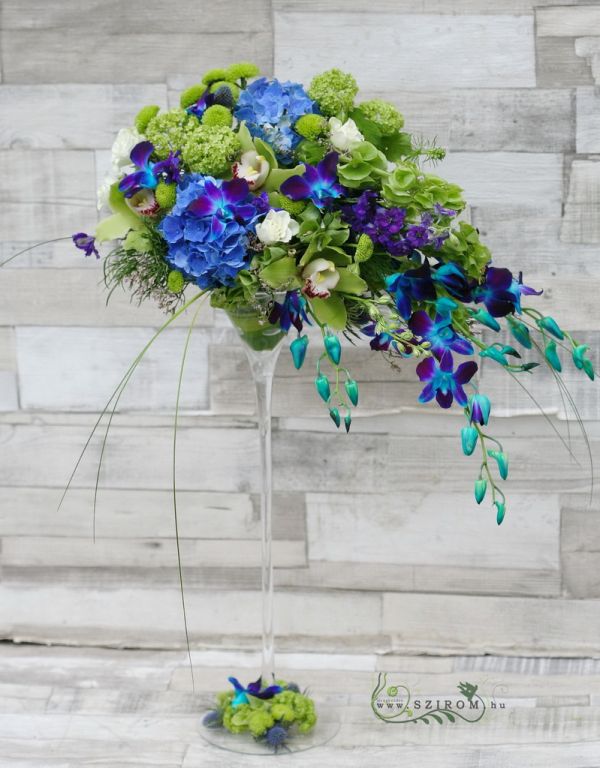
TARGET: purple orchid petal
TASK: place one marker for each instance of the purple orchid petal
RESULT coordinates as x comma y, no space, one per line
499,278
447,363
235,190
426,369
444,399
462,346
460,395
465,372
420,323
140,154
327,168
202,206
296,188
236,684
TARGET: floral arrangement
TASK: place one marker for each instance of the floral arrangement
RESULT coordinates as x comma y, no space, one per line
272,714
257,187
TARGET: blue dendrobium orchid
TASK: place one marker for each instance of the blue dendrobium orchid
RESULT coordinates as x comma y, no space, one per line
413,284
149,173
253,689
501,293
317,183
439,333
85,243
454,280
380,342
443,382
226,201
292,311
480,407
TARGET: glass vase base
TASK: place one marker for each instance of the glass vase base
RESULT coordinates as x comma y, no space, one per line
324,730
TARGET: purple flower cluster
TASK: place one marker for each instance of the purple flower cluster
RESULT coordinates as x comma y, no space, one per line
386,226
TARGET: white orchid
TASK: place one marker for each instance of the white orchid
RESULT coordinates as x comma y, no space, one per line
277,227
121,164
344,136
252,167
320,278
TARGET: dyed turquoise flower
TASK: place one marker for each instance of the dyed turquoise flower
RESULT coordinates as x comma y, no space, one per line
480,489
323,388
549,324
501,511
351,388
581,361
552,356
333,348
469,437
480,407
502,462
298,349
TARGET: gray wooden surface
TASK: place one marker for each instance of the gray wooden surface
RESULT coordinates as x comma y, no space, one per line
67,708
378,541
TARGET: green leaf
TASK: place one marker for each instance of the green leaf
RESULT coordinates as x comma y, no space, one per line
278,175
367,127
331,311
310,151
114,227
437,718
350,283
280,272
396,146
266,151
245,137
136,241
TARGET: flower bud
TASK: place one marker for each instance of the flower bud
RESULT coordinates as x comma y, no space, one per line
480,407
322,385
352,390
549,324
480,489
335,416
485,318
468,436
521,332
298,349
552,356
347,421
502,462
333,348
501,511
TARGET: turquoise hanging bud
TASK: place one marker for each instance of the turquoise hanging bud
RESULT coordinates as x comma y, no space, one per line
495,354
335,416
347,421
479,408
485,318
581,361
333,348
521,332
552,356
549,324
480,489
352,391
298,349
501,461
322,385
468,436
501,511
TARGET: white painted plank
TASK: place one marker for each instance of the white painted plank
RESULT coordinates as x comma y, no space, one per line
580,222
9,396
419,529
558,65
66,116
77,368
485,51
588,120
568,21
46,193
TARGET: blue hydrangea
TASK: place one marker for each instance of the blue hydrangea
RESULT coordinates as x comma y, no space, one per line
210,253
271,109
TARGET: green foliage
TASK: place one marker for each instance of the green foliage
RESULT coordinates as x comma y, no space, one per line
310,126
464,248
310,152
191,95
217,115
122,220
409,187
334,91
365,167
385,115
323,236
144,116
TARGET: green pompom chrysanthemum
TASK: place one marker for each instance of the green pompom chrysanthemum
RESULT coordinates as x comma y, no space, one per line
165,195
364,248
175,281
169,131
217,115
385,115
191,95
210,149
293,207
242,70
310,126
213,75
144,116
334,91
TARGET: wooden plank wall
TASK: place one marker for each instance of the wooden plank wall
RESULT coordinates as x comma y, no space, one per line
378,541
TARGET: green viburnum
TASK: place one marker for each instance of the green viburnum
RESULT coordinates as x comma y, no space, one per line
311,126
210,150
144,116
242,70
165,194
191,95
385,115
260,721
169,131
464,247
334,91
217,115
365,167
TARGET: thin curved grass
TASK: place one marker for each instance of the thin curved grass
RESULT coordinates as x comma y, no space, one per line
117,391
174,486
31,247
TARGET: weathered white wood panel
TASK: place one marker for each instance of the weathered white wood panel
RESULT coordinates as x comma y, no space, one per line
493,178
588,120
78,297
558,65
74,116
46,193
568,21
418,529
477,51
589,49
54,57
75,369
580,223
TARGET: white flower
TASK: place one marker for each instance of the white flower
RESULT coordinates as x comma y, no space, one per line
320,277
277,227
252,167
344,136
125,141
